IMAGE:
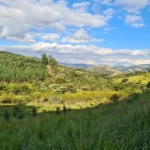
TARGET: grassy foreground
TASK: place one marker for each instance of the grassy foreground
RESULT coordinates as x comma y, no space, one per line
117,126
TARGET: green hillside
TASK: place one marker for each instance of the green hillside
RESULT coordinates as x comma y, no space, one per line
105,70
18,68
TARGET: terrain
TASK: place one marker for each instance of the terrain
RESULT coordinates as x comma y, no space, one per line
105,70
135,68
121,69
45,105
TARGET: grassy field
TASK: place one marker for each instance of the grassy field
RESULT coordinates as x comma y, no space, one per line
121,125
143,79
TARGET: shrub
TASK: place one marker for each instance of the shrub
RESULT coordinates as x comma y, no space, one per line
114,97
7,101
125,80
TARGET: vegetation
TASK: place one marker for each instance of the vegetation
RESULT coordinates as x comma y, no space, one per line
44,105
119,125
105,70
17,68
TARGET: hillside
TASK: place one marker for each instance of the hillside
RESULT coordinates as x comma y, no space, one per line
142,67
105,70
18,68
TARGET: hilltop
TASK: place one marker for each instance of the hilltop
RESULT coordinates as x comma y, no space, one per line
105,70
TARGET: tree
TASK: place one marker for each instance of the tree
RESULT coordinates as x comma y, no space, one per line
52,61
44,59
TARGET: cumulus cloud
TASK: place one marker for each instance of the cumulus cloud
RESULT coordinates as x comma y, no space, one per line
84,54
27,38
134,20
50,36
132,6
80,36
81,7
18,17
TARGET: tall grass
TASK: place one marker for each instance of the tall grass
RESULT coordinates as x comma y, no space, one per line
115,126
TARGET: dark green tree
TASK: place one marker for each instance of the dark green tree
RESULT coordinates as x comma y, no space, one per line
44,59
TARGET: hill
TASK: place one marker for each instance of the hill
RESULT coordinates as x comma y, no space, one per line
18,68
105,70
142,67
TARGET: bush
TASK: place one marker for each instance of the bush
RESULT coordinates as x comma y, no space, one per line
7,101
148,85
125,80
115,98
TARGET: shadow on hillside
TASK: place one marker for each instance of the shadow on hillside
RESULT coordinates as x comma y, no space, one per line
30,111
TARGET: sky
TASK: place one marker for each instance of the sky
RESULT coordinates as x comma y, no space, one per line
97,32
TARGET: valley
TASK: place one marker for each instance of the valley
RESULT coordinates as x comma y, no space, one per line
45,105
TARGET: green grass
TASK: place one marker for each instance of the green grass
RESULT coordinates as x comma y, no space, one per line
115,126
143,79
135,78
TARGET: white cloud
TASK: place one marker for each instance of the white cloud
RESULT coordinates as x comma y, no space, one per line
80,36
138,52
141,61
81,7
85,53
18,17
108,13
105,2
50,36
132,5
28,38
134,20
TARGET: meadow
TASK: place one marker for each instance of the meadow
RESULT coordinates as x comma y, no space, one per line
119,125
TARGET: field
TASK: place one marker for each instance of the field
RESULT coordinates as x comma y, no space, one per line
142,78
115,126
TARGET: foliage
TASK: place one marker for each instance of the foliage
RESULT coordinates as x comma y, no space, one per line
52,62
81,129
125,80
17,68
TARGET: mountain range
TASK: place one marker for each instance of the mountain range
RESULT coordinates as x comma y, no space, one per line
107,70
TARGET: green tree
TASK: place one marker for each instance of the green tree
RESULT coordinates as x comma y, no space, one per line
52,61
44,59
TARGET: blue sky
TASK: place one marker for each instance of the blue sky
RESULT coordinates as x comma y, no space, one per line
100,32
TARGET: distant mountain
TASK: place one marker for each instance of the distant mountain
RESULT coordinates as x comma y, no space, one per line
83,66
105,70
142,67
